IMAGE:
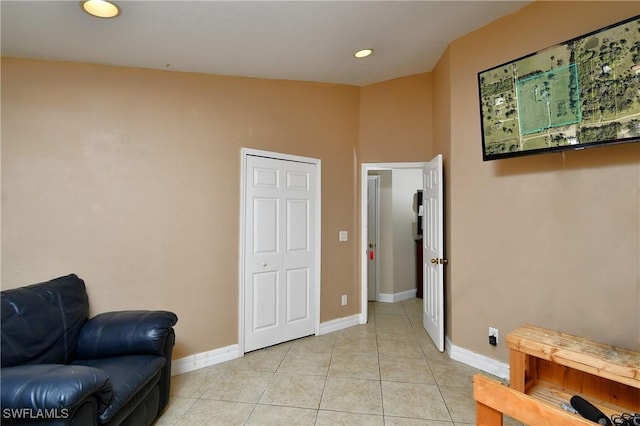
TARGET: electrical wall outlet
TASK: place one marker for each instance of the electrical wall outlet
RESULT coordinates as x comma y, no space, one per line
344,299
494,336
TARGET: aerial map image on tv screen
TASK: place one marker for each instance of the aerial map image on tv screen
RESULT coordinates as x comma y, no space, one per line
584,91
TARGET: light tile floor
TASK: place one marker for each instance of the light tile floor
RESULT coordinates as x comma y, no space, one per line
387,372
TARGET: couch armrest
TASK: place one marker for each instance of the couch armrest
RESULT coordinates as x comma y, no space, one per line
51,387
125,333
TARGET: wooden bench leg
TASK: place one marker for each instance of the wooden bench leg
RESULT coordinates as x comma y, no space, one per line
487,416
517,370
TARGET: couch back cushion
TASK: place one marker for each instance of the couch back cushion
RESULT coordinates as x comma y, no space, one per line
41,322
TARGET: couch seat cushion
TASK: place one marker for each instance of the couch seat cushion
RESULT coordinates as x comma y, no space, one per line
129,375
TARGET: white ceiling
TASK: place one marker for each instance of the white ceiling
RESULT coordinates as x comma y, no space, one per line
292,40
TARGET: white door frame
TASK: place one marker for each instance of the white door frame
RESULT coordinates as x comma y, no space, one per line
376,242
366,168
244,152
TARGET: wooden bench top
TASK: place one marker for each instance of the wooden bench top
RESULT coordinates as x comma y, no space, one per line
617,364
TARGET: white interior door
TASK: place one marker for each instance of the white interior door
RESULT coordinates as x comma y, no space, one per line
433,255
373,185
280,259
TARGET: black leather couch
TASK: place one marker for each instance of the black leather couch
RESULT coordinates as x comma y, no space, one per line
61,368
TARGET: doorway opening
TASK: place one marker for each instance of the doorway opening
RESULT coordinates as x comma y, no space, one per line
430,245
409,180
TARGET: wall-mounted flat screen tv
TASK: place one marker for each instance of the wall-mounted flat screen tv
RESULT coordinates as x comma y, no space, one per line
578,94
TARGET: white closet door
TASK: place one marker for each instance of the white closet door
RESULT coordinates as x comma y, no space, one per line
279,251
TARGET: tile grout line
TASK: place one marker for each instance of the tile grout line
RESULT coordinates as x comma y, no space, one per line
385,330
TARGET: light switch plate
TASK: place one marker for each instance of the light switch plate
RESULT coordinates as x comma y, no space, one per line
343,236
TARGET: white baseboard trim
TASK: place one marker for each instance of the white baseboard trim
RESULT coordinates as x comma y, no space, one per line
216,356
481,362
204,359
397,297
339,324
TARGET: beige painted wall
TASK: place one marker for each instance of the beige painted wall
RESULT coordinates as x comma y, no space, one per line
131,179
547,239
395,120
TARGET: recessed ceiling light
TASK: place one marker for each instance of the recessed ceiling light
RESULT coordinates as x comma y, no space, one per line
100,8
363,53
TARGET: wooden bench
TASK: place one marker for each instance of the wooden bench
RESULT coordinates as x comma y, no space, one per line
547,368
493,399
